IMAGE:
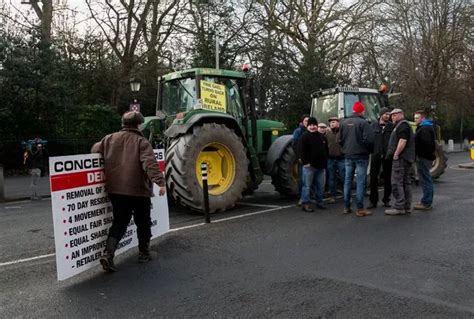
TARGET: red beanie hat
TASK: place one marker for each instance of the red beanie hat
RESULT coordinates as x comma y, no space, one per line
358,107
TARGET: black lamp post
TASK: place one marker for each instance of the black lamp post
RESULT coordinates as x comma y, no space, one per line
135,88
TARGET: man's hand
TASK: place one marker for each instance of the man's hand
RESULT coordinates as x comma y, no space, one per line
395,157
162,190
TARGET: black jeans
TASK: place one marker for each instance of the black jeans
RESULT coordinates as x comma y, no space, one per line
376,163
124,207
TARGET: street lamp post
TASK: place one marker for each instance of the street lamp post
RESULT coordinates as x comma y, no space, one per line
135,88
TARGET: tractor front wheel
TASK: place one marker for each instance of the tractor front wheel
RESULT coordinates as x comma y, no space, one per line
223,152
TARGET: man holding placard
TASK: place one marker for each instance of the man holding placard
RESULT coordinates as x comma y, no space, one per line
130,170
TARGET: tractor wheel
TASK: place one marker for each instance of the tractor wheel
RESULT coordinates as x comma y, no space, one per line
223,152
440,162
285,176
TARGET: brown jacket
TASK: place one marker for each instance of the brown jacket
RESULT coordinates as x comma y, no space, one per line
130,165
335,150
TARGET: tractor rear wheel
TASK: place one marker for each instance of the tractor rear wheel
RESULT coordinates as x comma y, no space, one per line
223,152
440,162
285,176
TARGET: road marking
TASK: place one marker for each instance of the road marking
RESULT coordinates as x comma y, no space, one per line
25,260
257,205
13,207
252,214
457,168
171,230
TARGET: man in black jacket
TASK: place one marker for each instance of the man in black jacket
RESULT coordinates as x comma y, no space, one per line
382,130
314,156
357,140
425,147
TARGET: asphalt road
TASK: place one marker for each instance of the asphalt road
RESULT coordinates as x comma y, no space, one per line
276,261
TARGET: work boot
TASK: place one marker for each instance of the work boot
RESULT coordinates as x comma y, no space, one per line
394,212
307,208
144,255
321,206
107,259
421,206
363,212
372,205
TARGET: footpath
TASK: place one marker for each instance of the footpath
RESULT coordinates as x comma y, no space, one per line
18,188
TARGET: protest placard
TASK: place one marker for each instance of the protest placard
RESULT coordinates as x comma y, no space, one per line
82,213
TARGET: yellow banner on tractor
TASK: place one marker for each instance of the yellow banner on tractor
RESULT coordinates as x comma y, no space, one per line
213,96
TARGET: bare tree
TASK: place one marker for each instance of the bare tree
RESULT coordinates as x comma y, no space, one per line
329,29
431,43
45,14
134,30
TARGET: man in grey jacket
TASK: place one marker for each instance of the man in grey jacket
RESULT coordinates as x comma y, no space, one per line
357,139
130,168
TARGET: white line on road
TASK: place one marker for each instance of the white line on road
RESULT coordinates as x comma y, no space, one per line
25,260
257,205
171,230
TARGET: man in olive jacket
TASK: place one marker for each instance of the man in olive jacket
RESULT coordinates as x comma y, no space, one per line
130,169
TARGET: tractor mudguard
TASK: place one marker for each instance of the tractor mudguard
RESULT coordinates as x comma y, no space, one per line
275,151
179,129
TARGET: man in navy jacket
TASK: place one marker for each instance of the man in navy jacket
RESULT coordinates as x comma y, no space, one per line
425,147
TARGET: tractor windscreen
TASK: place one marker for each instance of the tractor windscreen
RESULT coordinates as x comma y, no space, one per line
325,107
218,94
372,103
178,95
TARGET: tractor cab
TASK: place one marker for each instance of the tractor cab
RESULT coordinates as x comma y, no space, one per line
202,89
338,102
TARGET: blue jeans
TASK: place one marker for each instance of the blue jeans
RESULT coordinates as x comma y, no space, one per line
335,166
426,181
313,183
360,168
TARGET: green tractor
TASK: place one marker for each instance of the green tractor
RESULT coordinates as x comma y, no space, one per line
208,116
338,102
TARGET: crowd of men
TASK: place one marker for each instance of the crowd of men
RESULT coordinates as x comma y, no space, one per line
345,149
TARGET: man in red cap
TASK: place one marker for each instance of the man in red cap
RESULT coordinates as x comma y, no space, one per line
357,139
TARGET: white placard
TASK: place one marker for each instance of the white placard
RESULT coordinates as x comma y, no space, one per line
82,213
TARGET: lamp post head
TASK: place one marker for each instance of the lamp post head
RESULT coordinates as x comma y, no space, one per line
135,84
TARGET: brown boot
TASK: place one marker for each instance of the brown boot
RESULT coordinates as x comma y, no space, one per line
144,255
107,259
363,212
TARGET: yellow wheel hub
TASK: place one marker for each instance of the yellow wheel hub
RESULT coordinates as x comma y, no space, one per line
220,167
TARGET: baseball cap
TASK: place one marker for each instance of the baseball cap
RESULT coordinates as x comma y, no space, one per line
322,125
395,111
334,118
